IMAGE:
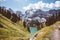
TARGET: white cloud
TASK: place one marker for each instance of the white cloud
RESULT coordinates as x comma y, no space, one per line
57,3
38,5
29,7
41,5
51,5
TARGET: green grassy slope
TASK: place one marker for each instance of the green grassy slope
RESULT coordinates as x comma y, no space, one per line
11,29
44,32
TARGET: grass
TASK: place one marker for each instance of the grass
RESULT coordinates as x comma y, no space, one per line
44,32
11,29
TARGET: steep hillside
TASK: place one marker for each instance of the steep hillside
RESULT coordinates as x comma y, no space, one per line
11,29
44,33
16,31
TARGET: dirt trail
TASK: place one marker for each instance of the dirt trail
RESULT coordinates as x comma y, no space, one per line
55,34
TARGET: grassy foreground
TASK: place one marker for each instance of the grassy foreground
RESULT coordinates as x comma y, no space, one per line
16,31
44,33
11,30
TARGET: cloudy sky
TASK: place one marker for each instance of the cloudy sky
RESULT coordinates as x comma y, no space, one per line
30,4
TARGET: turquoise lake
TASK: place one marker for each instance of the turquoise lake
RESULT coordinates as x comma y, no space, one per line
32,30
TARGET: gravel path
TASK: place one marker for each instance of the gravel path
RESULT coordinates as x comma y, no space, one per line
55,34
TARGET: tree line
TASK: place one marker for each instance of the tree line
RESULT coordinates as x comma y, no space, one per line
55,17
12,16
15,18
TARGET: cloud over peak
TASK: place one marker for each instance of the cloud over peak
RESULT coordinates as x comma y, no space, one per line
41,5
57,3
